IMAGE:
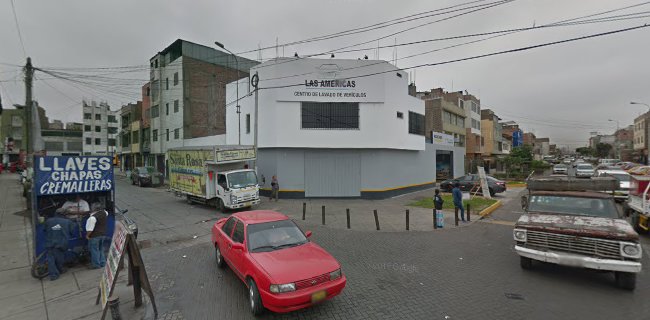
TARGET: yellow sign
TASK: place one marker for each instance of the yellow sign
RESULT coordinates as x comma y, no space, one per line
187,172
235,155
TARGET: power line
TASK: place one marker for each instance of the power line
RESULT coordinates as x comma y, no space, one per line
20,36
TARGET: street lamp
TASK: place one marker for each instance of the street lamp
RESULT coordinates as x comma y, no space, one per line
220,45
641,103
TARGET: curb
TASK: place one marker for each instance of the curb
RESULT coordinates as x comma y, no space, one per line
490,209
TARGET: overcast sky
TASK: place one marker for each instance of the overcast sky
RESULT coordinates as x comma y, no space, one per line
564,91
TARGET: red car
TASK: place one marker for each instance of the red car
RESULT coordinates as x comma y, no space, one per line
282,269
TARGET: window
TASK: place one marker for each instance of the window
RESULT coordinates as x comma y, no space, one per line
166,109
461,104
155,63
112,130
330,115
221,180
98,117
248,123
446,117
89,140
135,137
98,141
416,123
238,234
98,129
148,92
154,112
176,133
154,135
112,119
461,140
176,106
166,83
111,142
175,78
87,128
53,146
88,116
167,134
400,115
227,227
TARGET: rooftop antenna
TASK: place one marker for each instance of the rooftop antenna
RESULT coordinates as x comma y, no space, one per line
259,52
277,53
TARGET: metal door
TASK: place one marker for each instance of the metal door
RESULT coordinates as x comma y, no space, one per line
332,174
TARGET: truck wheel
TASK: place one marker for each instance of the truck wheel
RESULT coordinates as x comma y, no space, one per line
221,206
625,280
188,199
526,263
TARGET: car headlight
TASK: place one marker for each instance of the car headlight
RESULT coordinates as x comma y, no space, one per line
630,250
233,198
520,235
335,274
279,288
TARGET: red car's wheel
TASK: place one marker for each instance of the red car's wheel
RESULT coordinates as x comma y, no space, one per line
254,298
219,257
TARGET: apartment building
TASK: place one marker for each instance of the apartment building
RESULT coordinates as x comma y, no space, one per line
493,147
100,128
445,113
640,137
131,136
473,140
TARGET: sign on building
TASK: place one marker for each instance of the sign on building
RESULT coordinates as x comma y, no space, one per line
442,139
224,156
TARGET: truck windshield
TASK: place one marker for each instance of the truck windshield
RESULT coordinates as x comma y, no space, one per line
577,206
242,179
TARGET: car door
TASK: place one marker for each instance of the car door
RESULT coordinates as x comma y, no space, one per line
225,241
466,183
237,255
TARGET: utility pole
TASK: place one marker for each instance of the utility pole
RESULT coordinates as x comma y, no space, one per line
29,80
255,82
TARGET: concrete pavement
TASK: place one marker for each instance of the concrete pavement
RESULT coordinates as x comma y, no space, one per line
71,297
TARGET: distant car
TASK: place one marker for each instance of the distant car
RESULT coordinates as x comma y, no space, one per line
567,161
584,170
577,162
623,178
145,176
560,169
467,182
283,270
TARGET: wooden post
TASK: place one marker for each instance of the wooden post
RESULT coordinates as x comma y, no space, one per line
304,210
456,215
347,213
376,219
323,209
407,219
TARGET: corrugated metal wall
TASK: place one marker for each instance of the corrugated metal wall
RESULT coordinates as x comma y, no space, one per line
332,174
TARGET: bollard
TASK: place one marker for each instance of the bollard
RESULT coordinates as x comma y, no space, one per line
435,224
456,216
468,213
323,209
347,213
407,219
114,306
376,219
304,210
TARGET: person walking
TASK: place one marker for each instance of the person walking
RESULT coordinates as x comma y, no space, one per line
96,235
58,231
457,195
437,203
275,188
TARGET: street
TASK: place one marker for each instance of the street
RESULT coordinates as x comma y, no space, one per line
462,273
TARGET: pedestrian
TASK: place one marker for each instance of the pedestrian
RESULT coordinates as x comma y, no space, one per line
78,206
58,231
437,203
457,195
275,188
96,235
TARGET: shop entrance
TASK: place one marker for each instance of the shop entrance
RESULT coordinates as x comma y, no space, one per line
444,165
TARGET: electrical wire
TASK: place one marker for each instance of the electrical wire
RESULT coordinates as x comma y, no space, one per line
20,35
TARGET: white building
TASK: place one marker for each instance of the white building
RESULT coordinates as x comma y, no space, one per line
100,128
326,131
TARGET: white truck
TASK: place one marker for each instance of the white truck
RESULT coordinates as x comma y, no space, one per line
214,175
638,203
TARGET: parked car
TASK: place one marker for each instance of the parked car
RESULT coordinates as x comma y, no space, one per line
467,182
640,170
567,161
577,162
624,181
283,270
145,176
630,166
584,170
560,169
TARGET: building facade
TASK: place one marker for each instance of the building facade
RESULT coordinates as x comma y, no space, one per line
334,135
492,133
63,141
473,139
445,113
640,137
187,97
131,136
100,128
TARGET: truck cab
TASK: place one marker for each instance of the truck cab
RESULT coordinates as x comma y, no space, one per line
237,189
571,222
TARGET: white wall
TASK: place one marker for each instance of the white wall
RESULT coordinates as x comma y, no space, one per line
280,119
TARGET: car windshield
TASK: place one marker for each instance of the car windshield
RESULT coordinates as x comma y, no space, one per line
276,235
242,179
585,167
143,170
578,206
560,166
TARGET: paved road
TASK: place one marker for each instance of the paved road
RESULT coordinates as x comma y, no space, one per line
463,273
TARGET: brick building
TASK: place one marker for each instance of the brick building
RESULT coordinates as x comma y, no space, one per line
445,113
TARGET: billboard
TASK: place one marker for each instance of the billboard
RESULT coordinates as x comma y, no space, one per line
517,138
443,139
187,171
65,175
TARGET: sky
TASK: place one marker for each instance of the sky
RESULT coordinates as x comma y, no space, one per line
565,91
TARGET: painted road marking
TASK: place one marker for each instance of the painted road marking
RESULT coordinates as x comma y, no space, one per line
501,222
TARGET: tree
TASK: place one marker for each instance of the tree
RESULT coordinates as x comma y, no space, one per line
586,151
603,150
519,158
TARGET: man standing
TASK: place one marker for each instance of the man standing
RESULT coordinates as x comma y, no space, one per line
458,200
275,188
78,206
57,233
96,235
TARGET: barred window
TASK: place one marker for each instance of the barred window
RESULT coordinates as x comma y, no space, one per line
330,115
416,123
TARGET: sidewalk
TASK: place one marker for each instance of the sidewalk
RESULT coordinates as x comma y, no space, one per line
72,296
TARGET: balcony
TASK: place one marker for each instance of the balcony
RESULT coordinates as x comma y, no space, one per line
146,147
